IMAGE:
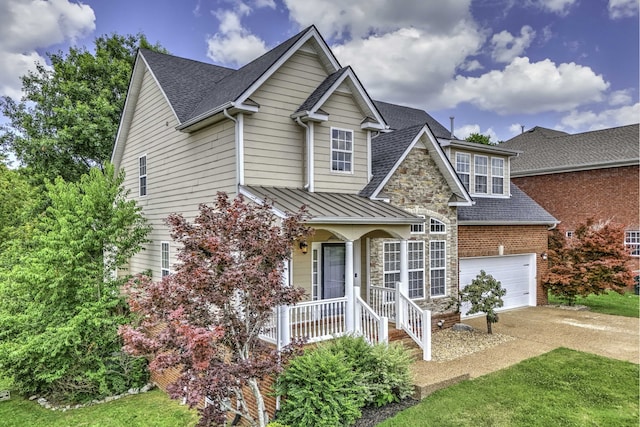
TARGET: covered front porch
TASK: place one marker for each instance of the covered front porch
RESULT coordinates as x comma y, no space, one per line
335,268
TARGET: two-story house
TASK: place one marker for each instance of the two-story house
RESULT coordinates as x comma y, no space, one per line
388,202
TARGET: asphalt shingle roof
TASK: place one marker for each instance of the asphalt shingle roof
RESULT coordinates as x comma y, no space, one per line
321,90
517,209
386,149
332,207
401,117
546,151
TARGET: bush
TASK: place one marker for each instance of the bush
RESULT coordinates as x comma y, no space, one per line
320,389
485,295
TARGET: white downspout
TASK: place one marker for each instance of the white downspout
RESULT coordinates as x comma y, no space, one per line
309,147
369,171
239,133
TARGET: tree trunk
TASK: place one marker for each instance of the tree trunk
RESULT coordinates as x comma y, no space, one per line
262,418
489,326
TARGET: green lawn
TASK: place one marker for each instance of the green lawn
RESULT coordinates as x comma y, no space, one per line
560,388
610,303
143,410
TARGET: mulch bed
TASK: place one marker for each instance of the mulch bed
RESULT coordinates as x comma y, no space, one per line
372,416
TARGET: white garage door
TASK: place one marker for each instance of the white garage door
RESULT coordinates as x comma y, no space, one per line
516,273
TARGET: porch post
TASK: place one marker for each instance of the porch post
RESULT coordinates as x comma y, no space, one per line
348,285
404,267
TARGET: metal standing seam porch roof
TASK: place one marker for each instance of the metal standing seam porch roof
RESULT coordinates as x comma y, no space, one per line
331,208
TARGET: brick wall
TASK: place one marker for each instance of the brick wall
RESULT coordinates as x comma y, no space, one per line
477,241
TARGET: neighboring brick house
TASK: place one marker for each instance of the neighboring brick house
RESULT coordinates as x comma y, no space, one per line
581,176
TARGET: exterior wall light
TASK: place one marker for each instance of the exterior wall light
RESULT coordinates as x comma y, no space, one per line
304,247
544,256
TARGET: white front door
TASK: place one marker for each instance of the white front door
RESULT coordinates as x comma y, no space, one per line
333,270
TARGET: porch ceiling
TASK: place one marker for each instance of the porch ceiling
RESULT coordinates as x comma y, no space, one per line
331,208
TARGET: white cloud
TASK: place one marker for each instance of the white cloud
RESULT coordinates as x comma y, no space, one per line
26,25
506,46
560,7
233,44
515,129
620,97
622,8
582,121
464,131
524,87
471,65
265,3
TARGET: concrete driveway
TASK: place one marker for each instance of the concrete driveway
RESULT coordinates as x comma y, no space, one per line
536,330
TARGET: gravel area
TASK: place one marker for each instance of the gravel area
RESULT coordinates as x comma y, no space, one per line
449,344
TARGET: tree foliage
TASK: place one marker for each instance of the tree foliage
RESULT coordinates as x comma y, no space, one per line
484,293
61,308
67,119
204,320
479,138
593,261
18,201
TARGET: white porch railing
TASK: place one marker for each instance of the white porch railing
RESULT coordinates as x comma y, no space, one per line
374,328
383,301
415,321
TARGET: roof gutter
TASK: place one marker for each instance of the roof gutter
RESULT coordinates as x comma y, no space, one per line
472,222
577,168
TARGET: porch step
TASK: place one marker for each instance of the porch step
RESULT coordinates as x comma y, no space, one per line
400,336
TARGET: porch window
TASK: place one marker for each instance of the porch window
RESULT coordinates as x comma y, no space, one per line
632,241
497,175
341,150
437,227
437,267
418,227
164,262
315,279
463,168
142,175
391,266
415,255
480,174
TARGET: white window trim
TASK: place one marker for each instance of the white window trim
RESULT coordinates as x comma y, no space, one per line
384,264
630,241
316,270
140,176
431,268
468,173
164,269
413,270
352,151
444,231
476,174
497,176
421,226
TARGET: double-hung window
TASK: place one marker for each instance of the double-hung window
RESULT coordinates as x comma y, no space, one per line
632,241
164,259
142,175
437,267
341,150
391,268
463,168
415,255
497,175
480,174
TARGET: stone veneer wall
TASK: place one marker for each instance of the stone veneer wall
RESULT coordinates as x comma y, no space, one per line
418,187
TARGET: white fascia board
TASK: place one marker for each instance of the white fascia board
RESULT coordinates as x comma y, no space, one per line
361,220
249,195
309,116
312,33
166,98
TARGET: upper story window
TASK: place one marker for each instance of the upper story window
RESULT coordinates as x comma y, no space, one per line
463,168
437,227
142,175
418,227
497,175
341,150
480,174
164,259
632,240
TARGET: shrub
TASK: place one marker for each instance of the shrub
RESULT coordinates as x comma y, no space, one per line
320,389
485,295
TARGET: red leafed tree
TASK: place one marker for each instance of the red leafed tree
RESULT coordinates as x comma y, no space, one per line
593,261
205,318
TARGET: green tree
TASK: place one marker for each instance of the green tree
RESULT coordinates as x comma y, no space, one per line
479,138
484,293
593,261
61,306
67,119
18,200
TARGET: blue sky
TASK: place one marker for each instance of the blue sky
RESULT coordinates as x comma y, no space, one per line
495,65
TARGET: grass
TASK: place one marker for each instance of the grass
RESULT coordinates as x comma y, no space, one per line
142,410
610,303
563,387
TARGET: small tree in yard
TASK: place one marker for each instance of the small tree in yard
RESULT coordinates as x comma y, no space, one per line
593,261
485,295
204,319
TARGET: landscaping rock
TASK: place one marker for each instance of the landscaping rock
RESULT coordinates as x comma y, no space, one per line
462,327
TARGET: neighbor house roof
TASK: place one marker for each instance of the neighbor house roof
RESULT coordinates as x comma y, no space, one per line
517,209
546,151
326,208
401,117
